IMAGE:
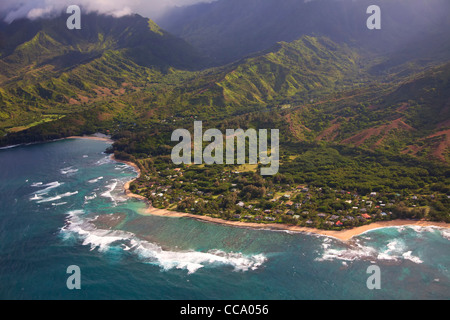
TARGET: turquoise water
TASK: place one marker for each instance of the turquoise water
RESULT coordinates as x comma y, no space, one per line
53,201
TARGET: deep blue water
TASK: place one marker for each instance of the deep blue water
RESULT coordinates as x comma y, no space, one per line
51,195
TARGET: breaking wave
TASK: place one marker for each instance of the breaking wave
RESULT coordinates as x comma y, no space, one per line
395,249
47,187
9,147
95,180
112,194
59,204
358,251
55,198
104,160
111,187
90,197
37,184
446,234
104,240
68,170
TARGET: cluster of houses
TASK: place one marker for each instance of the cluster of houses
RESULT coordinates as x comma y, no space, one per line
293,209
297,203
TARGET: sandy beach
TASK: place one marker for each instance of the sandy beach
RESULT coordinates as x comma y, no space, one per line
127,185
91,138
131,164
344,235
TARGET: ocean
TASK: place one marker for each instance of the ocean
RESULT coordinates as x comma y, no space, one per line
62,204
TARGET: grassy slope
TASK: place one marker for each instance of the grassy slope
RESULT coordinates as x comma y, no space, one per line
411,117
313,90
328,95
49,70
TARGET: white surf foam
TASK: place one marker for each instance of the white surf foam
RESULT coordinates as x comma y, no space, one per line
35,198
95,180
59,204
152,253
37,184
58,197
114,191
47,187
446,233
408,256
351,253
104,160
68,170
9,147
90,197
111,187
395,250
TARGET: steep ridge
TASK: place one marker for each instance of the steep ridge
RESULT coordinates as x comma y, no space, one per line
228,30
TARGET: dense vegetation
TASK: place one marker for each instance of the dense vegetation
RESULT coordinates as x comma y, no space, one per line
358,143
228,30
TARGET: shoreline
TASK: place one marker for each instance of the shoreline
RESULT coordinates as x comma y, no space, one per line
90,138
127,185
108,140
343,235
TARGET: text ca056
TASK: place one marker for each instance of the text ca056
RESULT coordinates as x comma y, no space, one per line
246,309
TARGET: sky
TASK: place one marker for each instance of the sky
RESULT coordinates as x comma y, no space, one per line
14,9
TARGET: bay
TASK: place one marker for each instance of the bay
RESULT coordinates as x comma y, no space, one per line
62,204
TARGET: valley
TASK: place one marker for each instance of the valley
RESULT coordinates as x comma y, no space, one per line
353,120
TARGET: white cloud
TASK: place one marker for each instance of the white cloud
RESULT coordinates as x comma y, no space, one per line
33,9
40,12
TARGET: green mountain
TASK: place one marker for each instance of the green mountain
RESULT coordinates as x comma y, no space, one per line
228,30
306,68
48,71
410,118
48,41
58,83
350,120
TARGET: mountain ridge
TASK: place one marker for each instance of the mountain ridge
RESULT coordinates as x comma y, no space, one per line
227,30
311,79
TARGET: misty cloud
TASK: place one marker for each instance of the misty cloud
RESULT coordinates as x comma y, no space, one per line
11,10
